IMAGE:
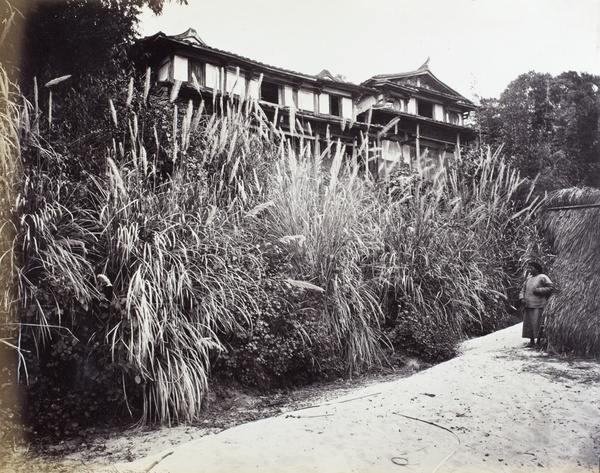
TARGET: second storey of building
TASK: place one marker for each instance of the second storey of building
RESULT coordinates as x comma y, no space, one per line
405,111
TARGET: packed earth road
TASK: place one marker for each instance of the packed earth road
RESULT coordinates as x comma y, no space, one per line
498,407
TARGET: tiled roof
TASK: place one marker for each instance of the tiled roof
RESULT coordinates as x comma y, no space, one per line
191,38
424,70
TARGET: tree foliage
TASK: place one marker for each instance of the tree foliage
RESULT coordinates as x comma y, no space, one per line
56,37
86,43
548,126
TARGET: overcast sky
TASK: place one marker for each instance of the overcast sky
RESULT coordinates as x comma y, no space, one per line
475,46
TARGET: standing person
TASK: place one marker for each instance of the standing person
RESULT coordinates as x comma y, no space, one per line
534,296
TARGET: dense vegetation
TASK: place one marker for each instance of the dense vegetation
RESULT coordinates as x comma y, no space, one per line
139,284
168,251
548,126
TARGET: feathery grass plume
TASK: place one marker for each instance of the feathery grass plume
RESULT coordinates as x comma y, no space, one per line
175,147
197,117
57,80
49,85
303,285
335,221
113,112
175,91
447,243
25,123
147,78
570,221
186,127
50,106
36,108
129,93
172,260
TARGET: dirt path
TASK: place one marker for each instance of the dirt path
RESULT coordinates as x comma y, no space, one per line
497,407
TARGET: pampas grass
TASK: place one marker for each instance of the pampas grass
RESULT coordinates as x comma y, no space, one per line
10,176
11,354
180,265
330,217
446,244
167,262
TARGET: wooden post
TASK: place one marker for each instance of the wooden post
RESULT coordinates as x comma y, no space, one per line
418,144
317,144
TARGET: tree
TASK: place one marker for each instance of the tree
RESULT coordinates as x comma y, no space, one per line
548,126
86,43
577,123
72,36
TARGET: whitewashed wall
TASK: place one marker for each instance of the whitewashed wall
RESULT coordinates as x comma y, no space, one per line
236,83
213,77
347,108
412,106
180,68
306,100
288,96
324,104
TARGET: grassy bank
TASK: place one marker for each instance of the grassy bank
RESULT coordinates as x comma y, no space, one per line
188,248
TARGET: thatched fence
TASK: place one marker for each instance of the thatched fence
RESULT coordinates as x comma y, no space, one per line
571,223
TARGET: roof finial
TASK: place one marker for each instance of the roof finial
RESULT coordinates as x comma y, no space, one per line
425,64
191,36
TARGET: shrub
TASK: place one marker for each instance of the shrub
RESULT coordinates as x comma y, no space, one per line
448,243
184,259
285,344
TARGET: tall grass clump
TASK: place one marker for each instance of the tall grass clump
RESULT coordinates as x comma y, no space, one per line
196,247
236,148
10,176
178,277
327,220
182,268
570,223
129,278
449,245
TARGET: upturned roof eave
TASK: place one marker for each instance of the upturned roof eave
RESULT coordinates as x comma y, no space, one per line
386,79
411,90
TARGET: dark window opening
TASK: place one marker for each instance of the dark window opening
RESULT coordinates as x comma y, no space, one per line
269,92
197,71
335,106
424,109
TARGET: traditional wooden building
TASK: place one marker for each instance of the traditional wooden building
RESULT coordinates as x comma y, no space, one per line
410,118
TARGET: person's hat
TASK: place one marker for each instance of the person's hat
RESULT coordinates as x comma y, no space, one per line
537,266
